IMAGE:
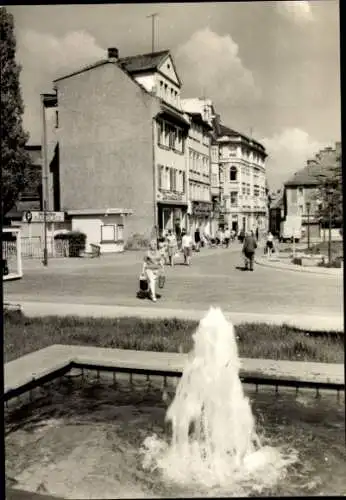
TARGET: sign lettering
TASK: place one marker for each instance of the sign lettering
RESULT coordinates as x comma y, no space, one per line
36,216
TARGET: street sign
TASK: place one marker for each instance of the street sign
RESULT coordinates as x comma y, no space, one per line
36,216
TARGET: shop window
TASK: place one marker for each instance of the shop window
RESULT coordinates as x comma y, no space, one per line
108,233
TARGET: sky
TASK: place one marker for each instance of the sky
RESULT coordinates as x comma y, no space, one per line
272,69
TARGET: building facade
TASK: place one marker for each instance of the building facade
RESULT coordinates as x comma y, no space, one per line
122,136
198,153
301,192
238,164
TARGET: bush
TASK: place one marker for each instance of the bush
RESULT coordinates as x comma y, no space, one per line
335,263
76,240
137,242
297,261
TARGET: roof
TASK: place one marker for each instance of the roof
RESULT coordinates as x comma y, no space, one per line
223,130
143,62
309,176
303,177
131,64
198,118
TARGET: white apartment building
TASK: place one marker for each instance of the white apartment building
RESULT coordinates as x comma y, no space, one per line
238,164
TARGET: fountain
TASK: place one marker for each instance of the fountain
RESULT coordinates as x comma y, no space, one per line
93,438
214,443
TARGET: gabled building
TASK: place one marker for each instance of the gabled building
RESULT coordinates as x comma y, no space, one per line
122,137
302,189
239,161
301,192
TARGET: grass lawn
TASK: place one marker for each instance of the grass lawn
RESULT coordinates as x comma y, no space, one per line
255,340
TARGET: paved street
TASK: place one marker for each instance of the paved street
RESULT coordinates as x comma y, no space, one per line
212,279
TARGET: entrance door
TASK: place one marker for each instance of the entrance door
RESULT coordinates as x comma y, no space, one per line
166,219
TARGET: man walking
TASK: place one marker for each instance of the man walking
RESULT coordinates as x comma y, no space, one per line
249,248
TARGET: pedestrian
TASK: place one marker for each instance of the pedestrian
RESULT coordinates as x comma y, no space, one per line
241,236
178,232
206,236
153,265
186,244
233,234
249,247
162,246
197,239
219,236
172,247
269,244
227,237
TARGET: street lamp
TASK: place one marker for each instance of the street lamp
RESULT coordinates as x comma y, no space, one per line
45,178
308,204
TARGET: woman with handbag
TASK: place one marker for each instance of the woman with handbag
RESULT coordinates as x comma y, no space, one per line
153,268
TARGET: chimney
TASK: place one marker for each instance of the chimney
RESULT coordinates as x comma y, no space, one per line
113,53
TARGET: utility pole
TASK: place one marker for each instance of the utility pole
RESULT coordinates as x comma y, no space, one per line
153,16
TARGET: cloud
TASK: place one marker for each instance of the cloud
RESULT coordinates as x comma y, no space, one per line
53,53
298,11
45,57
209,63
288,152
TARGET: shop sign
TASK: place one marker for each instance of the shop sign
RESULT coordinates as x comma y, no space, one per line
170,196
37,216
201,208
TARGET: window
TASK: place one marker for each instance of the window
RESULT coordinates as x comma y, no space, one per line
233,174
173,179
108,233
167,179
56,119
234,198
183,181
215,154
232,151
160,176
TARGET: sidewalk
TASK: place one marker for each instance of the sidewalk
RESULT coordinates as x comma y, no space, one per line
277,263
304,322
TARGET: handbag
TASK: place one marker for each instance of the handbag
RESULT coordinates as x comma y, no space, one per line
143,283
161,281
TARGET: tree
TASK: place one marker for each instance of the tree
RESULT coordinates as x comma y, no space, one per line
15,160
329,193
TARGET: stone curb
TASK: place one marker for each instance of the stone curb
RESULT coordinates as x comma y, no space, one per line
338,273
304,322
